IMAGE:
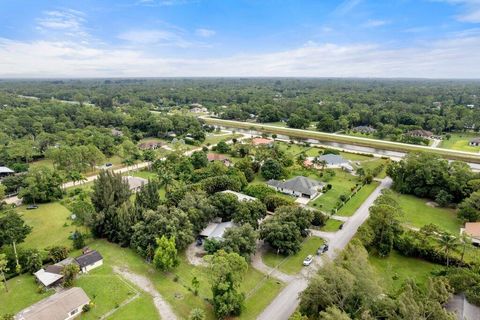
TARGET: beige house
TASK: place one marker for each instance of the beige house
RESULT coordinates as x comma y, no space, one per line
64,305
472,229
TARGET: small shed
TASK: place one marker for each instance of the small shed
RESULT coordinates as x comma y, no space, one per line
89,260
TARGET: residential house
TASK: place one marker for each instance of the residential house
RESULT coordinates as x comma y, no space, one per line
135,183
116,133
472,229
298,186
475,142
240,196
150,145
215,230
90,259
364,129
63,305
5,171
218,157
49,276
330,161
421,134
262,141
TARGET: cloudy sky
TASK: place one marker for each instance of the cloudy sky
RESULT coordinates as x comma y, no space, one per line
165,38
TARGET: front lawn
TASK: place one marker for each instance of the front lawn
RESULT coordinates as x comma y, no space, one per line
417,213
459,141
22,292
174,286
212,139
332,225
342,183
50,223
106,290
356,201
144,174
293,264
395,269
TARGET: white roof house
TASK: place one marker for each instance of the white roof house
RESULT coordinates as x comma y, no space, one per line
216,230
332,161
240,196
63,305
47,278
134,183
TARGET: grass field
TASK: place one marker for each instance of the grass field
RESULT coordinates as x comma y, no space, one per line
99,285
417,214
216,138
22,292
176,292
342,183
332,225
356,201
459,141
48,225
144,174
293,264
395,269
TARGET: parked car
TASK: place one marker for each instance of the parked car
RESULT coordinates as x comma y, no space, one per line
308,260
199,242
341,227
323,248
32,207
108,165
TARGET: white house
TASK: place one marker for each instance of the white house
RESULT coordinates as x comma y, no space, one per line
331,161
90,259
216,230
63,305
475,142
298,186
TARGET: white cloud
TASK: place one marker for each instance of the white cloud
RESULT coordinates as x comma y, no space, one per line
155,37
375,23
205,33
450,57
346,6
61,20
470,8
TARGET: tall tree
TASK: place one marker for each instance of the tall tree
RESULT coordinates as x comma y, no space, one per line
166,253
13,230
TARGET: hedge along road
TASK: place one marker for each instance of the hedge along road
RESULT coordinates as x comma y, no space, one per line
352,140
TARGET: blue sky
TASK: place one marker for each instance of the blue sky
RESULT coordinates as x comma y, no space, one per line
322,38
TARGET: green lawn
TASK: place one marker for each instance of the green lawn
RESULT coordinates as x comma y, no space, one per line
417,214
22,292
142,306
332,225
42,163
293,264
395,269
342,183
459,141
144,174
48,222
356,201
99,284
176,293
216,138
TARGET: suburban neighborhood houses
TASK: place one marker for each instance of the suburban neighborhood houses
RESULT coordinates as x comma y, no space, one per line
186,216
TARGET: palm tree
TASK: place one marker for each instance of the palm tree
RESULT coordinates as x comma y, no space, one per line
465,239
165,178
128,162
447,242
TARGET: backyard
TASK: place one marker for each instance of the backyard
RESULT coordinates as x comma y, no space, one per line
356,201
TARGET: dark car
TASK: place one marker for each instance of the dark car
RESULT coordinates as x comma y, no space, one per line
32,207
108,165
323,248
199,242
341,227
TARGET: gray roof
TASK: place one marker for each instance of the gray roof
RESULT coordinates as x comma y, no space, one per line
299,184
333,159
6,170
55,307
135,182
47,278
89,258
216,230
475,140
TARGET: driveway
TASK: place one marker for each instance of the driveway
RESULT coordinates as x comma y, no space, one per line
288,300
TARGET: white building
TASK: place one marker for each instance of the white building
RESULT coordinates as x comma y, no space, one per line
298,186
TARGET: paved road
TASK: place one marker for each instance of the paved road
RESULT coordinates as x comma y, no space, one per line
287,301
